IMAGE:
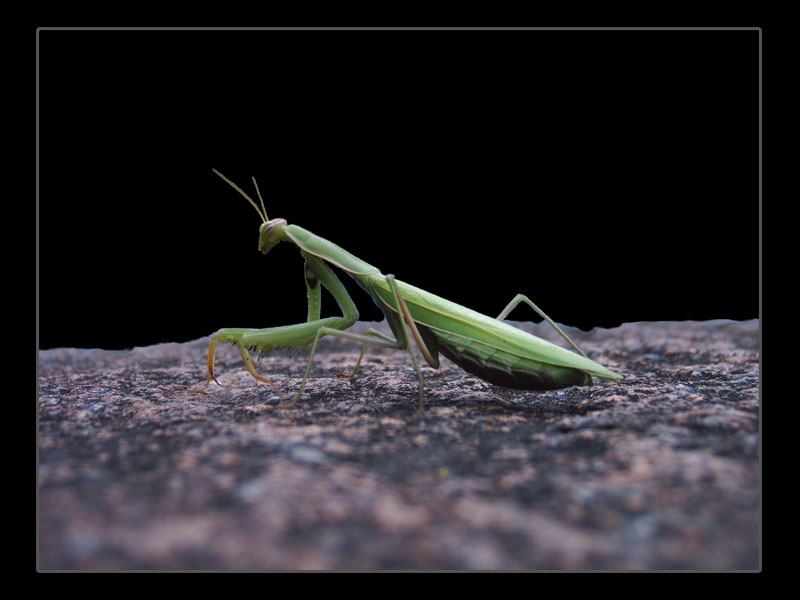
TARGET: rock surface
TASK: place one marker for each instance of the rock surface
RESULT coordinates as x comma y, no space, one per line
658,471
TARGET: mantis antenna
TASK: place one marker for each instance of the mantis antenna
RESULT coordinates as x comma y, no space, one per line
249,199
264,210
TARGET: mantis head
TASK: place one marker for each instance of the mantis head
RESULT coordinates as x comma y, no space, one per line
271,230
270,233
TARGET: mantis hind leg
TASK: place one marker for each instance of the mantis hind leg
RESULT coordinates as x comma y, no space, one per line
426,343
521,298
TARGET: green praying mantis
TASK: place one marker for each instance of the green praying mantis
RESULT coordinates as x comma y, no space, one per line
488,348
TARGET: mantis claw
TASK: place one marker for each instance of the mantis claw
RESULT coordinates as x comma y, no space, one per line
208,381
199,389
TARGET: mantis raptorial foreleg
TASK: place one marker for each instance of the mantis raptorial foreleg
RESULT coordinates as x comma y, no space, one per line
265,340
522,298
248,363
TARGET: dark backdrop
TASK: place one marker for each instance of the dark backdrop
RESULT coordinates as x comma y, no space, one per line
612,176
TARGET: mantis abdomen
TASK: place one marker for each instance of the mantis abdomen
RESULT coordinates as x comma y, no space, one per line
506,369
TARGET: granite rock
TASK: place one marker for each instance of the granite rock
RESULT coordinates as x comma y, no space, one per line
657,471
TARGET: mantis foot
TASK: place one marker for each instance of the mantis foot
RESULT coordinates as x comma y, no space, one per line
200,388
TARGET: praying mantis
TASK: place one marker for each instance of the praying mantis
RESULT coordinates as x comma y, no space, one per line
486,347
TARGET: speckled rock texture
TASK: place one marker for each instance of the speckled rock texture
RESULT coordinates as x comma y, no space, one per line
657,471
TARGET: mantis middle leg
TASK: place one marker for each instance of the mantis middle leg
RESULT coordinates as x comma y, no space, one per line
398,322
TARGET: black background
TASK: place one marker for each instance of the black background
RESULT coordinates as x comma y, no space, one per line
612,176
